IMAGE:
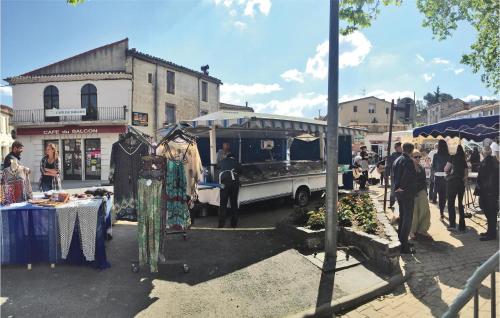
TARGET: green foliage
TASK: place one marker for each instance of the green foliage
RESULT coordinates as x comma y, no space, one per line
317,219
75,2
437,97
443,17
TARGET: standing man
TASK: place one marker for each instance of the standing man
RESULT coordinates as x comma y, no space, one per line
222,153
365,166
388,168
405,185
230,169
432,190
15,154
487,188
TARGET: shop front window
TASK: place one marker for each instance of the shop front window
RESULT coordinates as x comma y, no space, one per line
72,159
92,159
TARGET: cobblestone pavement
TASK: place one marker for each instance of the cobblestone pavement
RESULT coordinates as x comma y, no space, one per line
440,270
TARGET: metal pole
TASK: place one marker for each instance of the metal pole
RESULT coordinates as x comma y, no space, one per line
388,154
493,289
332,146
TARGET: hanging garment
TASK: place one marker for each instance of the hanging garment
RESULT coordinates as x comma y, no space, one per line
86,211
149,221
125,166
175,186
189,155
15,185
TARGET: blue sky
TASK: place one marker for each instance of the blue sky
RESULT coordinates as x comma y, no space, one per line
271,53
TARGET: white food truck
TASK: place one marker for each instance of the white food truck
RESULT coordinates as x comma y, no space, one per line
281,156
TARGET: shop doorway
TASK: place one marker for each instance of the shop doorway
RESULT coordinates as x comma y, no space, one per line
92,159
72,159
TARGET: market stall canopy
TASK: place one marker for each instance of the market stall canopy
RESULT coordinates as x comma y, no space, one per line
239,119
476,129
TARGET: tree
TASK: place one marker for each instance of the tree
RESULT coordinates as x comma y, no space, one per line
442,17
437,97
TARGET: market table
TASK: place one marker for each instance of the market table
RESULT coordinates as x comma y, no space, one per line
72,233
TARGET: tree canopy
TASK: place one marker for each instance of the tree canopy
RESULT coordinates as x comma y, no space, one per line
443,18
437,97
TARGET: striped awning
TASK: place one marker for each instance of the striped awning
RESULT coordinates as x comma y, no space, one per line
238,119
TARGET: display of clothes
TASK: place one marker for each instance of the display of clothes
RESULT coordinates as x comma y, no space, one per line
125,166
15,185
177,200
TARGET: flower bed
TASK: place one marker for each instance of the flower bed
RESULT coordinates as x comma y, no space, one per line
359,225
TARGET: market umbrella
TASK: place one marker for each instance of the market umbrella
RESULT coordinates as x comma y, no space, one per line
476,129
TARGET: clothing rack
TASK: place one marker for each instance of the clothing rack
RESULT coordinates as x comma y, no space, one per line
175,132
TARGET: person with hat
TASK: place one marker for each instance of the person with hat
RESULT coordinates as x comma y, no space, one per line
229,181
15,154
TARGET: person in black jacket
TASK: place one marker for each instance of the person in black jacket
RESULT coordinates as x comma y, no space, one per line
475,160
405,180
230,169
456,170
441,158
389,173
487,188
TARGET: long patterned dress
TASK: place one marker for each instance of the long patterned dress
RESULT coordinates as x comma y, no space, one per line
177,208
149,221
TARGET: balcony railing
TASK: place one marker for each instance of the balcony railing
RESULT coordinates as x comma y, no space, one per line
37,116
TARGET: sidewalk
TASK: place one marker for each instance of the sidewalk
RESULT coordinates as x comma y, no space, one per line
440,269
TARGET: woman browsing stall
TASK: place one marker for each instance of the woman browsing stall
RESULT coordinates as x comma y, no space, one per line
50,170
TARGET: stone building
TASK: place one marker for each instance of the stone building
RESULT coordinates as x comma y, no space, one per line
440,111
373,114
82,104
5,130
478,111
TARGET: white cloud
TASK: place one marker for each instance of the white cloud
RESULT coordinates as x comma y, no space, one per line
233,13
264,6
420,58
458,71
428,77
293,75
226,3
295,106
379,93
317,66
471,98
438,60
238,93
6,90
240,25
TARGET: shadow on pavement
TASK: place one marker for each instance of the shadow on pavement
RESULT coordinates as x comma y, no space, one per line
81,291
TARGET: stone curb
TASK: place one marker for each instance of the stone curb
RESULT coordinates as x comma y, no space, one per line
354,300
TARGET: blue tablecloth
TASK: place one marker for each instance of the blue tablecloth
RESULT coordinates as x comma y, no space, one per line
30,234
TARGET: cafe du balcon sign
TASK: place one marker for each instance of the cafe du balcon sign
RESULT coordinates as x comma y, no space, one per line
55,112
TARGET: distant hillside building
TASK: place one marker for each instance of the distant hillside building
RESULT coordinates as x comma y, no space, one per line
440,111
239,108
82,104
478,111
373,114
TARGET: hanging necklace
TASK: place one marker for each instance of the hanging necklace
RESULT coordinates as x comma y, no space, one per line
130,153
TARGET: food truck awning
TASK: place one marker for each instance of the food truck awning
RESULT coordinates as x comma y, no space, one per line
237,119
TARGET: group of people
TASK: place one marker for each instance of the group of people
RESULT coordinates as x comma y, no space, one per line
448,179
50,168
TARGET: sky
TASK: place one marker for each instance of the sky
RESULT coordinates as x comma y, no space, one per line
270,53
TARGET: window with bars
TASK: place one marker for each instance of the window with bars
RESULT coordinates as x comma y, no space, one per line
170,116
204,91
355,109
150,78
170,82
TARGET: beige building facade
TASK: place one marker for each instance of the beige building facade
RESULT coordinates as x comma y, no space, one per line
5,130
370,113
82,104
440,111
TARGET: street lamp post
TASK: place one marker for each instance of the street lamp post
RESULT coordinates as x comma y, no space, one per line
332,137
